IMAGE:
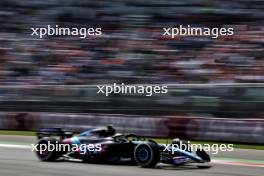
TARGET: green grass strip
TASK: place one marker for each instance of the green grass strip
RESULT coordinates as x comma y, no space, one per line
18,133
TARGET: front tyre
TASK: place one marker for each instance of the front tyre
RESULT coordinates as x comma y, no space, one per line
147,154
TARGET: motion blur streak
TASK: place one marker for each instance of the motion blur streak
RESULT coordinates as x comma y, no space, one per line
131,47
211,81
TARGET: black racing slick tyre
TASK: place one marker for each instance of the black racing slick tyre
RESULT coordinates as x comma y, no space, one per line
43,153
147,154
201,153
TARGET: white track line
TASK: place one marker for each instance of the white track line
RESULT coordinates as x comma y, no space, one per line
15,146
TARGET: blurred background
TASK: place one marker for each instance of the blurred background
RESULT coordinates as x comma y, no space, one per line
216,89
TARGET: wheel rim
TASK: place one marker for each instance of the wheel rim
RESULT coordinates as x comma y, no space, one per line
143,154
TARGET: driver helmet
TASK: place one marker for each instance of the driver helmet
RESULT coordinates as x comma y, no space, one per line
110,130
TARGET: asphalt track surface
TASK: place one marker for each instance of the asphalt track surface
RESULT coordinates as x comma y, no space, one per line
23,162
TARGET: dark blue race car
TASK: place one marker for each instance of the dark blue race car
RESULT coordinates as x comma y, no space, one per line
106,146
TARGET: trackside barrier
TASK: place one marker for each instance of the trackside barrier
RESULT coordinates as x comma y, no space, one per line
186,127
217,129
143,125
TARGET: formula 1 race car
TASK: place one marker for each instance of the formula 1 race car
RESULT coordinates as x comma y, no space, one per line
105,146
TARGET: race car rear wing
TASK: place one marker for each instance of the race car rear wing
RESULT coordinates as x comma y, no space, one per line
54,132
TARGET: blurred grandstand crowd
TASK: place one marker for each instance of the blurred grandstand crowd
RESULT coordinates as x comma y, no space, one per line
131,48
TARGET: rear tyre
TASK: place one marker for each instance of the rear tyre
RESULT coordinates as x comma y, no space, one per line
147,154
42,150
201,153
